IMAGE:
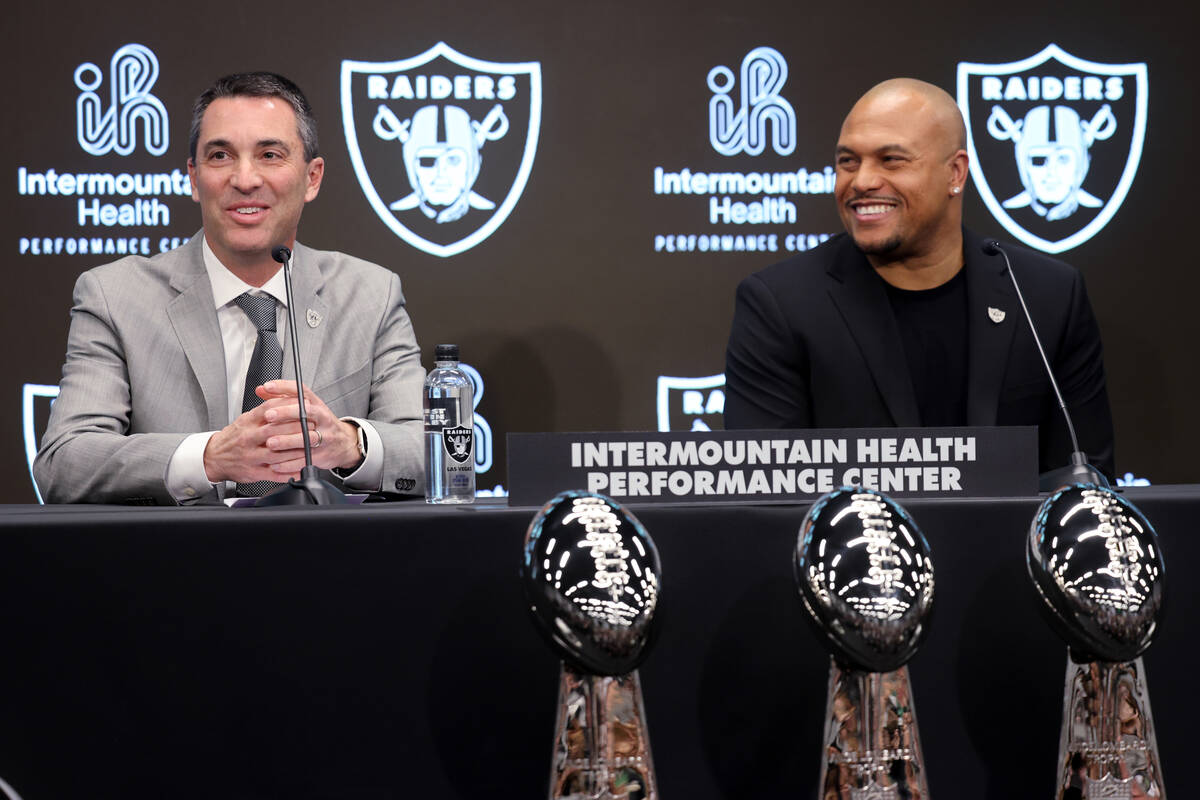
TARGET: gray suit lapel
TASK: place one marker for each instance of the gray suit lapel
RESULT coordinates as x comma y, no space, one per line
194,319
307,282
989,290
861,299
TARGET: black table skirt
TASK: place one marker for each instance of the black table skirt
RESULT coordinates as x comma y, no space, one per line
384,651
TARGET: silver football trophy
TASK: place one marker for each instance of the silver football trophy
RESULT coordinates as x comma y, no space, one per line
1095,561
592,579
865,576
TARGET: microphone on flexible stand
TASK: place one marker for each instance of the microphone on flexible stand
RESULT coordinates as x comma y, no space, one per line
1079,471
309,488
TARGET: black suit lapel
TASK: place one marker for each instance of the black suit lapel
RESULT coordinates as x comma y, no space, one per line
862,300
989,295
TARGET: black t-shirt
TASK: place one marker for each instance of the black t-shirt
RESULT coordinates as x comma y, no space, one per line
933,330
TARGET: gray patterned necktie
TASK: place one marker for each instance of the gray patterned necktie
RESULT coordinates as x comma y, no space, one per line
266,364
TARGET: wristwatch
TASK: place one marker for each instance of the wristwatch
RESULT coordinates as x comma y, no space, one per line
362,443
362,452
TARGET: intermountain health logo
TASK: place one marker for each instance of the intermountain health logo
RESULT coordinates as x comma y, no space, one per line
113,127
754,192
1054,142
111,205
442,143
744,128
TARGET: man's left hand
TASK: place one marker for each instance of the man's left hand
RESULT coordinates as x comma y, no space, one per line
334,441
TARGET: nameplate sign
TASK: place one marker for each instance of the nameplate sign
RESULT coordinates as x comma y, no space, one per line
796,465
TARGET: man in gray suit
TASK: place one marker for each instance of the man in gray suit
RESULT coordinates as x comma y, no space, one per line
153,406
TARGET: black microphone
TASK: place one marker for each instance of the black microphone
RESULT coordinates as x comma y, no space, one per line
1079,471
309,488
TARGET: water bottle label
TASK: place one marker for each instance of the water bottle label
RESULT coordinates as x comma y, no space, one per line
458,441
440,413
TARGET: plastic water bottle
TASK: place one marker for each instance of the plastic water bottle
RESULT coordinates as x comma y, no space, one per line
449,431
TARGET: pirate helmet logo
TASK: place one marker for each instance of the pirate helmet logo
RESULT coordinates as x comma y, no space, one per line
442,144
1064,138
458,441
1053,155
442,157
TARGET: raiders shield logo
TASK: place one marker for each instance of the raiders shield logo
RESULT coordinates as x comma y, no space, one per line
442,143
691,404
35,415
457,442
1054,142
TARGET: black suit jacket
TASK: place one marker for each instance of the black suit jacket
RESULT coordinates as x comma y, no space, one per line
814,344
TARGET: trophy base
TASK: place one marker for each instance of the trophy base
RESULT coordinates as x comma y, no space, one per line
601,745
1107,747
872,749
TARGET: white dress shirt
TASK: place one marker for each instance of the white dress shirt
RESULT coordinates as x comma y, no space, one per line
186,477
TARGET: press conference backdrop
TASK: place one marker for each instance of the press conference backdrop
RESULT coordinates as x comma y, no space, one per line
623,166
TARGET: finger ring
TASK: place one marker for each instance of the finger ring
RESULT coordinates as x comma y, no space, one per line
320,438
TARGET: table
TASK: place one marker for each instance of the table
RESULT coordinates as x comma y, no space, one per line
384,651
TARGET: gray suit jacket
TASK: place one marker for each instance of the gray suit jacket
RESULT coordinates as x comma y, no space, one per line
145,367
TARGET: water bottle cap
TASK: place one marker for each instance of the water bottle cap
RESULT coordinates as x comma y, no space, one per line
446,352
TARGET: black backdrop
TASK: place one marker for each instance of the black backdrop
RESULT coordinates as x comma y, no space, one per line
567,309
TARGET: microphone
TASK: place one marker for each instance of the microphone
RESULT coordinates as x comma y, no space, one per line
309,488
1079,471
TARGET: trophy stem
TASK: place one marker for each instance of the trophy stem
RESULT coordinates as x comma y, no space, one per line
601,744
872,747
1107,747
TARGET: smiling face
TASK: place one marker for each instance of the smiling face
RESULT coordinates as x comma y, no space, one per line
251,180
900,172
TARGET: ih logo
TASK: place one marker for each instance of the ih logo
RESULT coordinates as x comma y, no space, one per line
131,76
743,129
691,404
458,443
442,143
1054,142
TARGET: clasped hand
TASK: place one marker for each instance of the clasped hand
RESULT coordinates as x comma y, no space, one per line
266,442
